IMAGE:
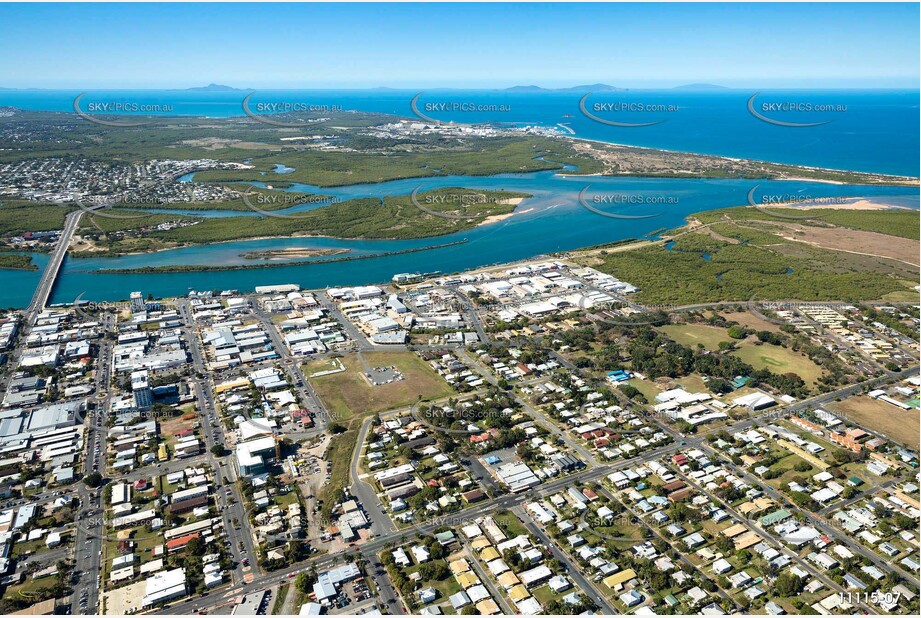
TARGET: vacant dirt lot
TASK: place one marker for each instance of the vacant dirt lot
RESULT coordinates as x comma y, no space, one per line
904,250
901,425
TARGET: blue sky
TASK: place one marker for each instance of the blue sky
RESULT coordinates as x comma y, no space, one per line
451,45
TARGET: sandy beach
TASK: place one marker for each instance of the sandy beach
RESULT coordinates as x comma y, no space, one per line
514,201
291,252
495,219
859,203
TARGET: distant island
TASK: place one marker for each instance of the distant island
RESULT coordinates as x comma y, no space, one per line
700,87
584,88
212,88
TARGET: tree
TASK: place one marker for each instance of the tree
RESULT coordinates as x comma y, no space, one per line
904,522
195,547
737,332
336,428
788,585
302,583
434,570
724,544
719,385
93,479
218,450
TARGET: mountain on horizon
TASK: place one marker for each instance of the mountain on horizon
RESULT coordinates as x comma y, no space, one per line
700,87
212,88
583,88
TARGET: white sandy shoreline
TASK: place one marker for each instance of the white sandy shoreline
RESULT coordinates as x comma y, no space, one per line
894,177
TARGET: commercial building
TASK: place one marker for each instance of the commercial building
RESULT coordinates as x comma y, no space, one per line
252,456
137,303
143,395
164,586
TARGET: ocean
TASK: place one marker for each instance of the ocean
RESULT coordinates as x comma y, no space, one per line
871,131
865,130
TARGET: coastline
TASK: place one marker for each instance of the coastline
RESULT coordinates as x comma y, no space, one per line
595,251
895,179
859,203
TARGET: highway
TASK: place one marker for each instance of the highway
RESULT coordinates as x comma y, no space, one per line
88,547
50,274
42,292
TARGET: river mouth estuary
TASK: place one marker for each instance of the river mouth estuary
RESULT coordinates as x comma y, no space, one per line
553,219
565,209
460,308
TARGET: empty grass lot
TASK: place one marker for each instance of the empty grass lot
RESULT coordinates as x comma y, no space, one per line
693,334
350,398
779,360
900,425
348,394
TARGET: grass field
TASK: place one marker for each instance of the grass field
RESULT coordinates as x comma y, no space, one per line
779,360
348,394
509,523
349,398
545,595
693,384
692,334
775,358
280,598
785,466
900,425
749,319
646,387
901,223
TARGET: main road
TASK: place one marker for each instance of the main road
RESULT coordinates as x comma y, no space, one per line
50,274
43,290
